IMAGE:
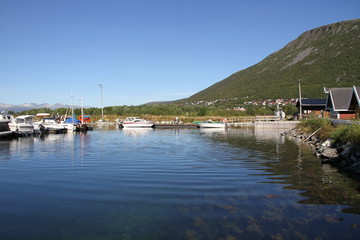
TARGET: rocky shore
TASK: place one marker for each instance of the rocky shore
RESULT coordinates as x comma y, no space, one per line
344,157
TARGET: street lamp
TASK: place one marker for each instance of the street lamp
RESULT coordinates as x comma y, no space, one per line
102,108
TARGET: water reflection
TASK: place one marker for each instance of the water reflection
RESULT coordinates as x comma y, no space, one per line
269,135
174,184
211,131
137,132
5,152
294,164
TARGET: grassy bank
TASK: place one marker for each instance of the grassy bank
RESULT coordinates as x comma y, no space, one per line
344,134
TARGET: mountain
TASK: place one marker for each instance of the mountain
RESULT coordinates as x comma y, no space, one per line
28,106
328,56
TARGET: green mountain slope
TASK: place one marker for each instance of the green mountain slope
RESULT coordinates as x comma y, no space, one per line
328,56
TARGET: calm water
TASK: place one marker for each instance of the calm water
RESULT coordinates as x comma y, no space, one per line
172,184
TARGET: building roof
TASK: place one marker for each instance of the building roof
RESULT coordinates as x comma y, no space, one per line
357,94
339,98
313,102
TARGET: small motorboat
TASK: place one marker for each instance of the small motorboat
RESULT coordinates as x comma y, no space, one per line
51,125
135,122
211,124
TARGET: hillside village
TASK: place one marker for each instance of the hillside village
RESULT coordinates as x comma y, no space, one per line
257,102
340,103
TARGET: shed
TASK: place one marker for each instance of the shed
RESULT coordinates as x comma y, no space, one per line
312,106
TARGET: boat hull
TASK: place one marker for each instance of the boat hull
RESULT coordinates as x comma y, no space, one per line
22,125
135,122
137,125
25,129
212,125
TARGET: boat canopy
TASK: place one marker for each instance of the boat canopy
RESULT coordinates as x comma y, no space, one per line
86,119
72,120
25,116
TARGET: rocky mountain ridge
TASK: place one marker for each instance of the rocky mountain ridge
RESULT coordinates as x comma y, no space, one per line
28,106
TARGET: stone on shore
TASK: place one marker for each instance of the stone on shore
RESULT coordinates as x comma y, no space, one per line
346,157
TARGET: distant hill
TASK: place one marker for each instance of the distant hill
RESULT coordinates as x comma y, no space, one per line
328,56
164,102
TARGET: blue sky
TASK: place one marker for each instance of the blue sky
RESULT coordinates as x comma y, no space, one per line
143,50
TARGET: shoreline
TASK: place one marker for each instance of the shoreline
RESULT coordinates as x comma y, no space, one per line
346,158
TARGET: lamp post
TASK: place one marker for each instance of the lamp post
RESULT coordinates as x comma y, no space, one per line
102,108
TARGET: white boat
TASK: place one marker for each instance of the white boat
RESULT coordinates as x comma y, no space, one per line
4,125
49,125
135,122
71,123
211,124
22,125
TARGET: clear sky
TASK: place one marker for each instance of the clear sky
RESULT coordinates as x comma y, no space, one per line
143,50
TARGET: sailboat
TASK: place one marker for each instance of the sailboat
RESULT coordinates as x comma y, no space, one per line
71,122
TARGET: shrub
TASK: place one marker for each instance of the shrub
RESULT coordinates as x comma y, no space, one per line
312,125
347,134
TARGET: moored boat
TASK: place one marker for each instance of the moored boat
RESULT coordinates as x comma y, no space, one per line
49,124
22,125
71,123
211,124
4,126
136,122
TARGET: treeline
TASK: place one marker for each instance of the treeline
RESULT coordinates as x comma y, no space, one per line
168,109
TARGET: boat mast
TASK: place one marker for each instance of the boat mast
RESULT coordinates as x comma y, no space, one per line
102,106
82,111
72,109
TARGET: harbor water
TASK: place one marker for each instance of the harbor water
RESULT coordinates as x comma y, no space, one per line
172,184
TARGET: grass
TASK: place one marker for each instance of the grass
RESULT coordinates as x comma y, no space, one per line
345,134
311,125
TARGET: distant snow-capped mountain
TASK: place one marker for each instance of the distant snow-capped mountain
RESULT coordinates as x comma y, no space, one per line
28,106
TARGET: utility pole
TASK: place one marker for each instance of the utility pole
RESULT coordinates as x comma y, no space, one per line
300,116
102,106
